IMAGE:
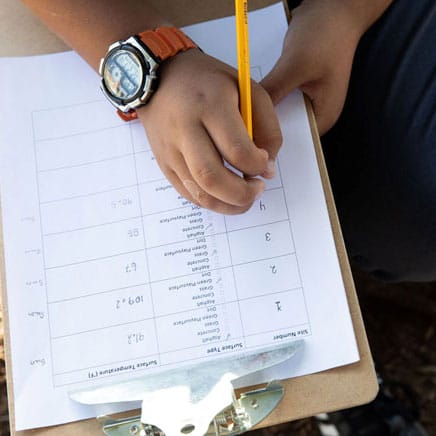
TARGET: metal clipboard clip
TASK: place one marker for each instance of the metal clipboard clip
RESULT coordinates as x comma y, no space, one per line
196,400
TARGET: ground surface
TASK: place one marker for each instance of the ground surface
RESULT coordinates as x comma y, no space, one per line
401,325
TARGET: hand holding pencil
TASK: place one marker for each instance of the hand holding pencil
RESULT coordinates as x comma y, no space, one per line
194,125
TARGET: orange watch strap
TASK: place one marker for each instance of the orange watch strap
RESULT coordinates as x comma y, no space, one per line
165,42
127,116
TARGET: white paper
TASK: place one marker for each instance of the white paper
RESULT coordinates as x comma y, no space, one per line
112,275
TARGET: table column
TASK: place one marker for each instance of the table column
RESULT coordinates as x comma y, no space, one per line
96,273
271,298
190,270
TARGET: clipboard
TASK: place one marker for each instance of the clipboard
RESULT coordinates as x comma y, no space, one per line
330,390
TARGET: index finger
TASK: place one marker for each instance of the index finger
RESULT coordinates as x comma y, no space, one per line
230,136
207,169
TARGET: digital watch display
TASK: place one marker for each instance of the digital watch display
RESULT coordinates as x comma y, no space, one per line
129,70
123,74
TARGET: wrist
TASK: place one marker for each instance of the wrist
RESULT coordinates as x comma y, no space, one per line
130,70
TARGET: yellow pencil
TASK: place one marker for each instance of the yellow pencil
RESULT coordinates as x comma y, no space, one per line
241,13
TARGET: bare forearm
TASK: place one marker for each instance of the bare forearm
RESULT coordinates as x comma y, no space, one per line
361,13
366,12
318,53
89,26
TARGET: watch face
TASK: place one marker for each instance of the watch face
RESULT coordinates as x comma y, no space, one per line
123,74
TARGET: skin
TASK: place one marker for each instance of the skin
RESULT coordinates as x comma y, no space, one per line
193,121
319,62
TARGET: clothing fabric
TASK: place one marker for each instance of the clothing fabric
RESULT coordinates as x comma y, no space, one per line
381,154
294,3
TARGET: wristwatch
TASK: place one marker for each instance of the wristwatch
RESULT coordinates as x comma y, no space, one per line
129,71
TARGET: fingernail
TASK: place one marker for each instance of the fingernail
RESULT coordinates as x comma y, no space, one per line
270,171
192,188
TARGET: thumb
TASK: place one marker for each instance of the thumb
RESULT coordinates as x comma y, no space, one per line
284,77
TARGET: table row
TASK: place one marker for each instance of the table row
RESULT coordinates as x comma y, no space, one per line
187,335
162,207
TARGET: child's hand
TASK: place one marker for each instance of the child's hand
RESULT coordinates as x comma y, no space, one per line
193,123
317,56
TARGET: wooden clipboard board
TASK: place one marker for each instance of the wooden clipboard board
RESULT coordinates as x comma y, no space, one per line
330,390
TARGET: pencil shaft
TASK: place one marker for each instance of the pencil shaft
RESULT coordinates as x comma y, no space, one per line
241,13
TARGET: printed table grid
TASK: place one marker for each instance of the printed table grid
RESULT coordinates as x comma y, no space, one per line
177,313
120,210
121,362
